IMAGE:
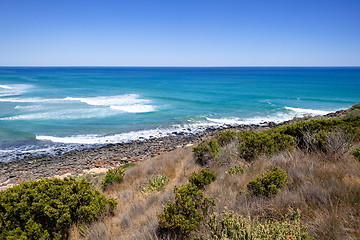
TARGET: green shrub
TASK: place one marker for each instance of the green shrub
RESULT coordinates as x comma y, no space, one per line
46,209
235,169
202,178
112,175
225,137
130,164
318,130
234,226
356,153
268,183
187,211
253,144
153,155
156,184
207,149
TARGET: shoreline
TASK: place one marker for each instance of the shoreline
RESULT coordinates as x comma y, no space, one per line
97,160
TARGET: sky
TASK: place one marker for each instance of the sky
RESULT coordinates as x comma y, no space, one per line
180,33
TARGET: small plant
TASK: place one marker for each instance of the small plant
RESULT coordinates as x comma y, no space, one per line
128,165
47,208
235,169
202,178
156,184
187,211
268,183
233,226
356,153
153,155
112,175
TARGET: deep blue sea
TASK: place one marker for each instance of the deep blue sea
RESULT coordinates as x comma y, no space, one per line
52,110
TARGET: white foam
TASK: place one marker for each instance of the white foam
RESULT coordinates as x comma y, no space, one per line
130,103
248,121
13,89
126,99
222,121
136,108
307,111
67,114
191,128
6,87
98,139
31,100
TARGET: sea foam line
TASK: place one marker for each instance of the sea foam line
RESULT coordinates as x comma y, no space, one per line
5,87
130,103
307,111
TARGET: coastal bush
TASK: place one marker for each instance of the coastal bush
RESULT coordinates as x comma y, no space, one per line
235,169
46,209
156,184
202,178
206,150
318,130
356,153
112,175
354,111
253,144
225,137
337,142
268,183
187,211
233,226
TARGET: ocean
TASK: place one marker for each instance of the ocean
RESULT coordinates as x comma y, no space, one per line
52,110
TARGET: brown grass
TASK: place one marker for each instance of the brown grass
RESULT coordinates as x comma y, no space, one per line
324,188
135,217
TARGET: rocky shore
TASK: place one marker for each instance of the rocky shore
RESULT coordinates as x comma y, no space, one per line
97,160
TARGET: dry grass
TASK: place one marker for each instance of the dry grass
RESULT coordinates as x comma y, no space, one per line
135,217
326,191
324,188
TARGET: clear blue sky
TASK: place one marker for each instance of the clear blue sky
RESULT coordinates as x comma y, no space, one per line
180,33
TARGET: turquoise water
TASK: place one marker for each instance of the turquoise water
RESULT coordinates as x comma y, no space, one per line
47,110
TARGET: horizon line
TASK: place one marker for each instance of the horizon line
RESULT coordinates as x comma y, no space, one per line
230,66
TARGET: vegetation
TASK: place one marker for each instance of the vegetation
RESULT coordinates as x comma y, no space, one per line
268,183
235,169
356,153
251,144
254,144
204,177
187,211
128,165
157,183
112,175
225,137
354,111
312,135
206,150
46,209
235,227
